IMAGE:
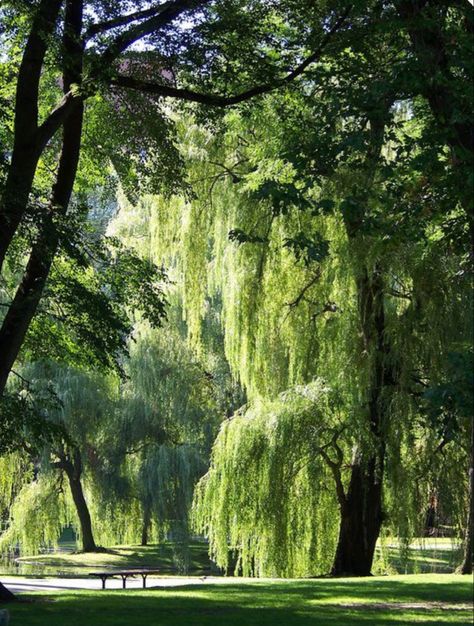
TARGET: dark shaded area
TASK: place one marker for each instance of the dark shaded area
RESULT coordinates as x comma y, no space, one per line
262,604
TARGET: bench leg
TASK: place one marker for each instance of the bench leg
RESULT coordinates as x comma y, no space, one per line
103,579
144,580
124,582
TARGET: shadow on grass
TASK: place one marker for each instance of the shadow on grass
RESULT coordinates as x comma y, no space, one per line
160,556
294,603
440,560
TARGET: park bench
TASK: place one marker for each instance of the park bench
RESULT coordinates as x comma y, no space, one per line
124,574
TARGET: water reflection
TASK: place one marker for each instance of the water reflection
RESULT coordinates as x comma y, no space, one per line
11,566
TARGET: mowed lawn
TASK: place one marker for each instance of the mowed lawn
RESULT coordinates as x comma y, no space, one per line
426,599
153,556
440,556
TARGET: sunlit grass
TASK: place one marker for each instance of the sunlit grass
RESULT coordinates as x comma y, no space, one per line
154,556
374,601
437,555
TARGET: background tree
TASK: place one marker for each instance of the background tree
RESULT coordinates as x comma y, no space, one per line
88,57
373,194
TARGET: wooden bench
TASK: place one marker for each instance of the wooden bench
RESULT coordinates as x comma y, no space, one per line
124,574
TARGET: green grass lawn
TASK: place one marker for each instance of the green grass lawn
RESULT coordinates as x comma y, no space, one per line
439,555
156,556
430,600
424,556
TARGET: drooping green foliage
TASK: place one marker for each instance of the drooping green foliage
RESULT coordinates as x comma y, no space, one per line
276,244
322,235
138,446
265,502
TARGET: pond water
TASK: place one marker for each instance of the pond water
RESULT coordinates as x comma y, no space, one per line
13,567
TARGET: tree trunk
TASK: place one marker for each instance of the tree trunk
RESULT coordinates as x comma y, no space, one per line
27,144
28,295
88,542
6,595
362,506
146,525
466,567
361,519
73,469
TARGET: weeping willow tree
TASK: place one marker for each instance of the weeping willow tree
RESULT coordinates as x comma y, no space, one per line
183,387
131,453
168,419
315,226
56,496
272,511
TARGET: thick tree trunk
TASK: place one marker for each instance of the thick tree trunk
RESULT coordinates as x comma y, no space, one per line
28,295
362,505
27,139
88,542
23,308
466,566
361,519
146,525
73,469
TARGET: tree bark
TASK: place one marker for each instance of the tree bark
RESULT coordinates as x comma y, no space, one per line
146,525
28,295
361,520
466,566
26,145
73,469
362,507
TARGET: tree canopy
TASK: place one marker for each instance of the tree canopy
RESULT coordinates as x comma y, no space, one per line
236,250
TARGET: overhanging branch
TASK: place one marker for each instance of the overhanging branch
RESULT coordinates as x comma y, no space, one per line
224,101
169,12
123,20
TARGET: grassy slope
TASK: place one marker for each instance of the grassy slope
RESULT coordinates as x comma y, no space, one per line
425,556
160,557
432,556
324,602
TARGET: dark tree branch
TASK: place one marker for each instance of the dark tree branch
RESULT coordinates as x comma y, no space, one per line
57,117
20,377
398,294
123,20
335,465
170,12
294,303
29,73
224,101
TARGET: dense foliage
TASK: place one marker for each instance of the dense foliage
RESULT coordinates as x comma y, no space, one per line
247,214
